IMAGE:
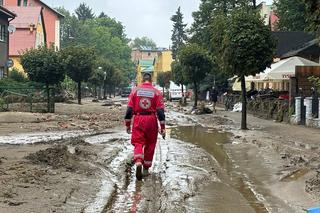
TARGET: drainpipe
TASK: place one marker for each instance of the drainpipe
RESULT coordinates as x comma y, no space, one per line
8,40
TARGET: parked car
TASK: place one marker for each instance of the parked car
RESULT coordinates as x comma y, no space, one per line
175,92
125,92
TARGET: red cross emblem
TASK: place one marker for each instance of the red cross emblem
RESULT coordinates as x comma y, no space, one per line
145,103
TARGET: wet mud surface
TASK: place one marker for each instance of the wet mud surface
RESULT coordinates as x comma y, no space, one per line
198,168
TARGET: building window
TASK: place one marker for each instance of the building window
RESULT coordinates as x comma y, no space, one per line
25,3
3,33
1,72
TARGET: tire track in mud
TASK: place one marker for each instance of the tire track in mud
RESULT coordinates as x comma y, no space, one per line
115,159
138,196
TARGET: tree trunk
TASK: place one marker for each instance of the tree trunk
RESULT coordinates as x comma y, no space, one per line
48,98
79,92
195,94
182,90
244,104
95,91
104,90
184,99
254,2
53,102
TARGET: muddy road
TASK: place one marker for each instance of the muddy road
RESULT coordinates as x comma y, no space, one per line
197,169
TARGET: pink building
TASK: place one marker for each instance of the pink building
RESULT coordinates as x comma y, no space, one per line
51,17
30,32
273,20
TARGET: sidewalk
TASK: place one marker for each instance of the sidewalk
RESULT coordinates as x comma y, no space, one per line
290,152
284,131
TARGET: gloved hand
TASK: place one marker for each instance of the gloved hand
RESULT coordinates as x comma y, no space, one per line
129,130
163,133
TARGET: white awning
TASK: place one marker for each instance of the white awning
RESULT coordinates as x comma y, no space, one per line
281,70
287,69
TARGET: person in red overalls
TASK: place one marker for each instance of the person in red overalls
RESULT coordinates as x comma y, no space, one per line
146,107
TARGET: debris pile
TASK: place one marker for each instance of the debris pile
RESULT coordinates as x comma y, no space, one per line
56,157
313,185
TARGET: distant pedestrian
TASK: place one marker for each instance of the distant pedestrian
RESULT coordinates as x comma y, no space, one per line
146,107
214,98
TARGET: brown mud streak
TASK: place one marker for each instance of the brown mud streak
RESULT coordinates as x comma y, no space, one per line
111,201
247,193
295,175
114,196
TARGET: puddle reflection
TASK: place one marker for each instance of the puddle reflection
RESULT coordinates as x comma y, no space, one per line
212,141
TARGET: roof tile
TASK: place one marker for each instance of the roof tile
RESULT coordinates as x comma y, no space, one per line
25,16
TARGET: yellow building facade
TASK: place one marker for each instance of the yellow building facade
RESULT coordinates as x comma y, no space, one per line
161,63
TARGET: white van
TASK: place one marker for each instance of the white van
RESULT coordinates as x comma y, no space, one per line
175,92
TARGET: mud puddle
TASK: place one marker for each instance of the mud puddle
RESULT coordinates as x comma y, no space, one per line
234,193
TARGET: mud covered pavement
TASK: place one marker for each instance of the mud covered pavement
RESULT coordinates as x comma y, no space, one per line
96,174
199,168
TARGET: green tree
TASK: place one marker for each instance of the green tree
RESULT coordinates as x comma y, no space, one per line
196,63
177,76
79,64
102,15
143,42
179,36
248,49
71,28
107,37
316,82
84,12
96,80
17,75
110,71
43,65
118,80
313,16
208,30
112,77
163,79
207,11
217,29
292,15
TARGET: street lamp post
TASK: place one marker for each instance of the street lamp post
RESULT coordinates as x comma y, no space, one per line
104,85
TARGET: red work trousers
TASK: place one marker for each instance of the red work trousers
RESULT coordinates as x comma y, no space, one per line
144,138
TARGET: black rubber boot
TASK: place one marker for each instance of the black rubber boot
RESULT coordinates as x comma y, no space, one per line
139,172
145,172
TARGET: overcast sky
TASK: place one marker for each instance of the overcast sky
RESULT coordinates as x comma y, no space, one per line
140,17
